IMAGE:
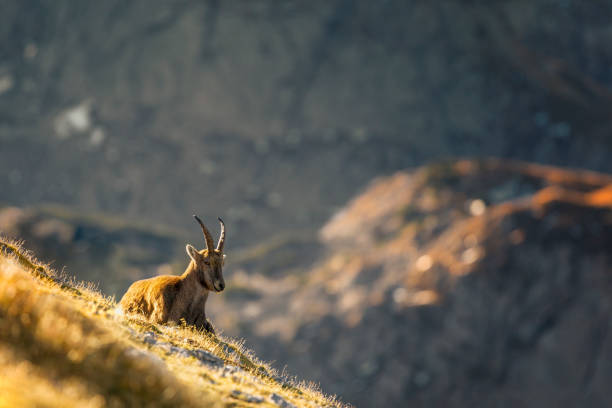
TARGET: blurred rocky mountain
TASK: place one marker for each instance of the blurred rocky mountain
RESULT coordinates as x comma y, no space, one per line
468,283
465,283
274,114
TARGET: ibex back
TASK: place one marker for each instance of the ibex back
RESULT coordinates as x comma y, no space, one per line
173,298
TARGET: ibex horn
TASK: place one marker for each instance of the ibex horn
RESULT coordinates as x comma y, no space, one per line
221,237
209,241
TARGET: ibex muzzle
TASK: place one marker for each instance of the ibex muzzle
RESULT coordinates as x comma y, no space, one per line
209,261
171,298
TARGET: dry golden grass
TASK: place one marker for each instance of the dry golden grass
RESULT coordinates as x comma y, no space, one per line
63,344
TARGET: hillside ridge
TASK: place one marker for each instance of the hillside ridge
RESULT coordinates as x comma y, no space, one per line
64,344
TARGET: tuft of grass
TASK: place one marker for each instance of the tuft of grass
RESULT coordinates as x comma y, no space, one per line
64,344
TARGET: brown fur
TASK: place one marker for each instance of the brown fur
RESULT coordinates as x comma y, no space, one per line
167,298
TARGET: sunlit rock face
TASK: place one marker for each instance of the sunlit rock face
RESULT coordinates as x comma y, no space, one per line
428,299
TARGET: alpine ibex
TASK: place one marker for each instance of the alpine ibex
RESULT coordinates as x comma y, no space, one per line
172,298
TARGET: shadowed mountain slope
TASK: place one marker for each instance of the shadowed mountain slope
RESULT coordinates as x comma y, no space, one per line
272,114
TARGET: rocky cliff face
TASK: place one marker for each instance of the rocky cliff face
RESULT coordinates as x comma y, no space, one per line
468,283
274,115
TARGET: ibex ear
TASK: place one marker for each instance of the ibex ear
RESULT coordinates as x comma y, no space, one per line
224,256
193,253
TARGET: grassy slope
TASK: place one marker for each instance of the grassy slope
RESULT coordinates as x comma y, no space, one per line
64,344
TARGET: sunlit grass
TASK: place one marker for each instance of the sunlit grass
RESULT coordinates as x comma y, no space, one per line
63,343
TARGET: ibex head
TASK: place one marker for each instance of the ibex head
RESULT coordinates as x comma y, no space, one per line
209,261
